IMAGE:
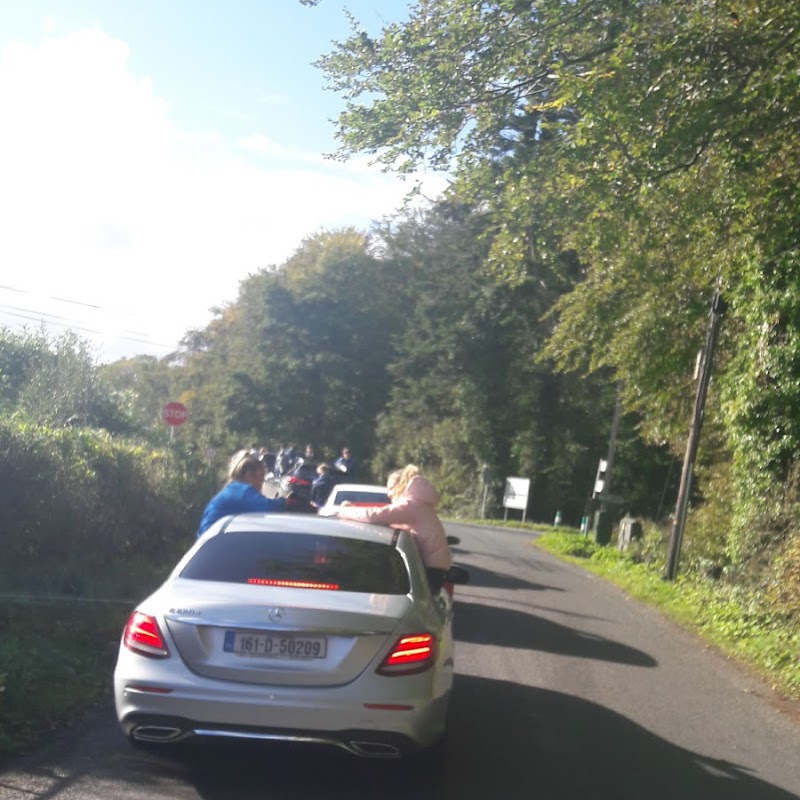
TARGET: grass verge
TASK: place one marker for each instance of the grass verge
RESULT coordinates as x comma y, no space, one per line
56,659
737,621
60,627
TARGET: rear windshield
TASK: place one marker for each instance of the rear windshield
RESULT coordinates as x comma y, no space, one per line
351,564
361,497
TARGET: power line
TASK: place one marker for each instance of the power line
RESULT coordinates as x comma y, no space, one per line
71,322
60,299
74,324
56,317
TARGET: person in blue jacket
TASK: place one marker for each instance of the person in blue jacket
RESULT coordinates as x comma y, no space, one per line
242,493
344,464
322,486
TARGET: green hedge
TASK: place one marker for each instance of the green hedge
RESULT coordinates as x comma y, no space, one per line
90,524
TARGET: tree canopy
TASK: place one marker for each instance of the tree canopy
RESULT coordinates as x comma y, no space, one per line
656,142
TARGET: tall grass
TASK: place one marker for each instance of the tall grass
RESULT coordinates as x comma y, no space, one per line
739,618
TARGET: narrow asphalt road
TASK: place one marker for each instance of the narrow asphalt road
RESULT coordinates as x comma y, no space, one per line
565,689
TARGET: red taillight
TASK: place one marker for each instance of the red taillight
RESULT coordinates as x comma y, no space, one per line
143,636
292,584
411,654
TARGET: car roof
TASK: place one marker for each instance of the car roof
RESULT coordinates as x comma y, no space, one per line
307,524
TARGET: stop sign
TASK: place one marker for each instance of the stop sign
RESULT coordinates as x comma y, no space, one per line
174,414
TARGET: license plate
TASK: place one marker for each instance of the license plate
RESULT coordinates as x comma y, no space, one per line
272,645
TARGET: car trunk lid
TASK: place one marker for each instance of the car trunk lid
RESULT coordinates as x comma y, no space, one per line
279,635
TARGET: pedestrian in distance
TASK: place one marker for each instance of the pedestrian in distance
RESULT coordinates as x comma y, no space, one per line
344,464
279,458
322,486
242,492
268,458
286,458
412,508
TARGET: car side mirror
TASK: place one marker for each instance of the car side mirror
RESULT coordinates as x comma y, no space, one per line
457,575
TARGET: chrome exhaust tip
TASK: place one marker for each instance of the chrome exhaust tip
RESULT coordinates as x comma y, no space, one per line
155,733
373,750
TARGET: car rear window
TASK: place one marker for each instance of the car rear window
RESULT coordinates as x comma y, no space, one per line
360,497
353,565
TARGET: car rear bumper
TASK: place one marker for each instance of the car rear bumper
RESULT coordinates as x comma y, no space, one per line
171,712
365,743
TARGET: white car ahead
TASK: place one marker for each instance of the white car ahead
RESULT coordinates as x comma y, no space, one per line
356,494
297,628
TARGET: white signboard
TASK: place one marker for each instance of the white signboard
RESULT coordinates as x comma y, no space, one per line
516,493
600,480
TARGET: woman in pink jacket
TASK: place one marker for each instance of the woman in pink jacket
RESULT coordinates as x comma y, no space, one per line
413,509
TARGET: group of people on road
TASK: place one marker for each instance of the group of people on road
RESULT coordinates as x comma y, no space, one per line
288,456
412,507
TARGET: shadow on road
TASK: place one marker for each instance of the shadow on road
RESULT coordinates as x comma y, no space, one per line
504,627
507,741
512,741
478,576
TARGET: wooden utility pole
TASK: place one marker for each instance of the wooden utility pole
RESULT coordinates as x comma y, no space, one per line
718,307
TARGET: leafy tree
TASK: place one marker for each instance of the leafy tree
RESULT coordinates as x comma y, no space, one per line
467,390
55,380
449,363
301,355
656,140
144,384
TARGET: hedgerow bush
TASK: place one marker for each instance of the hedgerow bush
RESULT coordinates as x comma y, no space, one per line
90,524
81,505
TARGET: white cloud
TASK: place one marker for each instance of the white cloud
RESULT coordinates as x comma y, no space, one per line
261,145
273,99
105,200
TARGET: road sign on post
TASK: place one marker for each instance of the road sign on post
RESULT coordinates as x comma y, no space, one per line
174,414
516,495
600,479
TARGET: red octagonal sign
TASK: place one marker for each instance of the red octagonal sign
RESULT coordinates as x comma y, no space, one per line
174,414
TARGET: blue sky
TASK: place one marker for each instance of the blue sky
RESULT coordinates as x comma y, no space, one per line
154,154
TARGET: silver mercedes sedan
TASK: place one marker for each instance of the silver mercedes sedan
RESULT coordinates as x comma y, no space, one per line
297,628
